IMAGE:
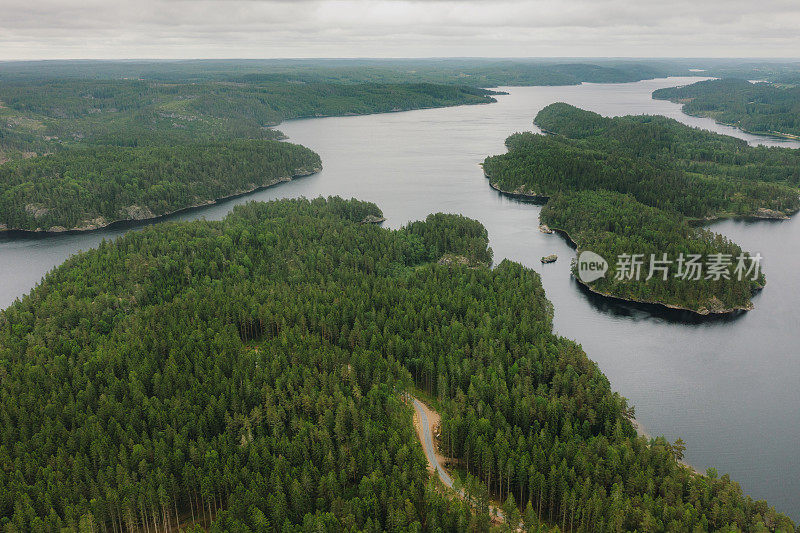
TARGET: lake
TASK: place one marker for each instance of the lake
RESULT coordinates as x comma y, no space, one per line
728,387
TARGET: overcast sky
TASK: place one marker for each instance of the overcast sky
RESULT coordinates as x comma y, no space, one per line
41,29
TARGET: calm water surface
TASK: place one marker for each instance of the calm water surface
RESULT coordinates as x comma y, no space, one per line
729,388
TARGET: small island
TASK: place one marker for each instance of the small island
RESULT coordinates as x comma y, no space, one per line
638,186
549,259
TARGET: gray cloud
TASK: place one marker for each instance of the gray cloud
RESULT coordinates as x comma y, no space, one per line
31,29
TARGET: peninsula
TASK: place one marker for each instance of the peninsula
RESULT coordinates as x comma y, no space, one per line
204,361
762,108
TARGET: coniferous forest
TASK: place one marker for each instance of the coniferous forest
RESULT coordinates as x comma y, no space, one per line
254,373
634,185
87,188
767,108
248,375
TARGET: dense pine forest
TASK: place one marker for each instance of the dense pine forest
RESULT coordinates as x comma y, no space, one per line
766,108
88,188
610,223
632,185
249,375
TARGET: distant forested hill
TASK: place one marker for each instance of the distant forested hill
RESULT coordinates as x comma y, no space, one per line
756,107
135,148
49,105
53,114
631,184
476,72
248,375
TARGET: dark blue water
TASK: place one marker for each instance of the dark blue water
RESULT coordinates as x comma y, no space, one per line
729,388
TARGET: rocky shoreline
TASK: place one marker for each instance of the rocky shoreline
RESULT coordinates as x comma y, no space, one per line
702,312
144,214
520,193
640,431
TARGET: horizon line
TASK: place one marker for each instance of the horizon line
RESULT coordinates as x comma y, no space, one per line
411,58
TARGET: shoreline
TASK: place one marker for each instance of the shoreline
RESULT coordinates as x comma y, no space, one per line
298,173
661,306
773,134
538,199
491,95
640,431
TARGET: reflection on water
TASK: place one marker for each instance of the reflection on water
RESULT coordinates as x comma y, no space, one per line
728,387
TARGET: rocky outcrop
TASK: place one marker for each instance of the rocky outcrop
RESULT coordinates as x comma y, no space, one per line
93,224
372,219
715,306
771,214
135,212
36,210
544,228
304,171
521,192
549,258
454,260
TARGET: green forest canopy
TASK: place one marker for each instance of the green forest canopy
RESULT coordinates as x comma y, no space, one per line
632,184
92,187
250,372
755,107
610,224
46,104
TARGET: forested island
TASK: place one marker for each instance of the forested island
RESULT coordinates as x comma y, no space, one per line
763,108
249,375
638,185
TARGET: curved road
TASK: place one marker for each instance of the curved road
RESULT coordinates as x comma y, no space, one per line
428,443
431,454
